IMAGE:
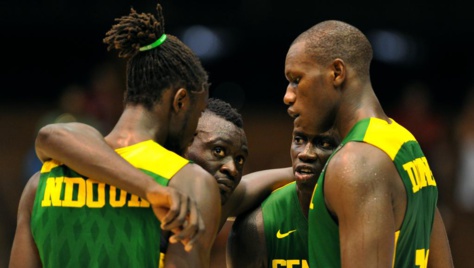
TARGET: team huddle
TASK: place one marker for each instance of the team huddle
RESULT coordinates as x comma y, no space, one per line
158,188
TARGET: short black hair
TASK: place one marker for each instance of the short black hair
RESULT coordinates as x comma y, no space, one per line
225,110
171,65
333,39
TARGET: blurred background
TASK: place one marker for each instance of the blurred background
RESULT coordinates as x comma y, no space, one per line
56,69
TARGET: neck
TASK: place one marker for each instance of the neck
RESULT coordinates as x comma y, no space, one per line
305,198
137,124
357,105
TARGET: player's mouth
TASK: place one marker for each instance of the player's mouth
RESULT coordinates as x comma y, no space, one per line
292,113
304,172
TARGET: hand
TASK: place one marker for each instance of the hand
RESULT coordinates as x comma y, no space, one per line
177,213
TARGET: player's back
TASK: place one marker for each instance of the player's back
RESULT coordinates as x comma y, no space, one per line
79,222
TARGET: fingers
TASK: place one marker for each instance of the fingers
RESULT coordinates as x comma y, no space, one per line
196,236
172,218
179,214
190,232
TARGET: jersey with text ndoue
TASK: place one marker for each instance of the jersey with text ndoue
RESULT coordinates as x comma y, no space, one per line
79,222
413,239
286,229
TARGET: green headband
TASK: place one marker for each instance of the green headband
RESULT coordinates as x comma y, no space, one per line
154,44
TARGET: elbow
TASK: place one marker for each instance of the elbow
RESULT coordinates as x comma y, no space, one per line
41,139
43,134
44,140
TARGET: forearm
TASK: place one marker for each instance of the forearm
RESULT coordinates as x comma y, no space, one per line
256,186
84,149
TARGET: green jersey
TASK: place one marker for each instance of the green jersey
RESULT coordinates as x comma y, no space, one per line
412,241
79,222
286,229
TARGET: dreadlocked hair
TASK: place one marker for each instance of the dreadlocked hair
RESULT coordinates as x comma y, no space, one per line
225,110
171,65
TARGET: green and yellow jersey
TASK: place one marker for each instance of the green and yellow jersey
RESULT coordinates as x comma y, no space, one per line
286,229
79,222
412,241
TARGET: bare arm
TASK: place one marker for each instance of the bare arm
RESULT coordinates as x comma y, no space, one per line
440,251
255,187
204,190
24,251
361,200
83,148
246,244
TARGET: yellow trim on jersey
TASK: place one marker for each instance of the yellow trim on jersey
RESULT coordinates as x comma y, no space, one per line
142,155
293,182
388,136
48,165
148,153
397,234
162,260
311,204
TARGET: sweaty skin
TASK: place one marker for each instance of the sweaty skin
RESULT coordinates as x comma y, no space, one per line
329,87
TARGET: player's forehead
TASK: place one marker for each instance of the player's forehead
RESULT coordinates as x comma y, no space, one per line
296,52
211,124
298,60
214,131
311,133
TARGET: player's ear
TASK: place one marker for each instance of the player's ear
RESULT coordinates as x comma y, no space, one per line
180,100
339,72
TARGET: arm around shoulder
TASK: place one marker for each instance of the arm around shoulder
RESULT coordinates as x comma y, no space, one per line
53,140
255,187
84,149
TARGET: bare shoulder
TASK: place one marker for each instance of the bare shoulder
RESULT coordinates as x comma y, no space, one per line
28,195
200,185
361,171
29,192
360,163
193,174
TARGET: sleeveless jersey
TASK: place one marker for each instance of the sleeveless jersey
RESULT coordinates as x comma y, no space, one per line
79,222
286,229
413,239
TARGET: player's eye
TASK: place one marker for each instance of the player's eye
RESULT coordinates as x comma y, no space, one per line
297,140
327,144
240,160
219,151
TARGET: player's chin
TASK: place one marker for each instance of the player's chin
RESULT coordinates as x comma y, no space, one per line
224,197
225,192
